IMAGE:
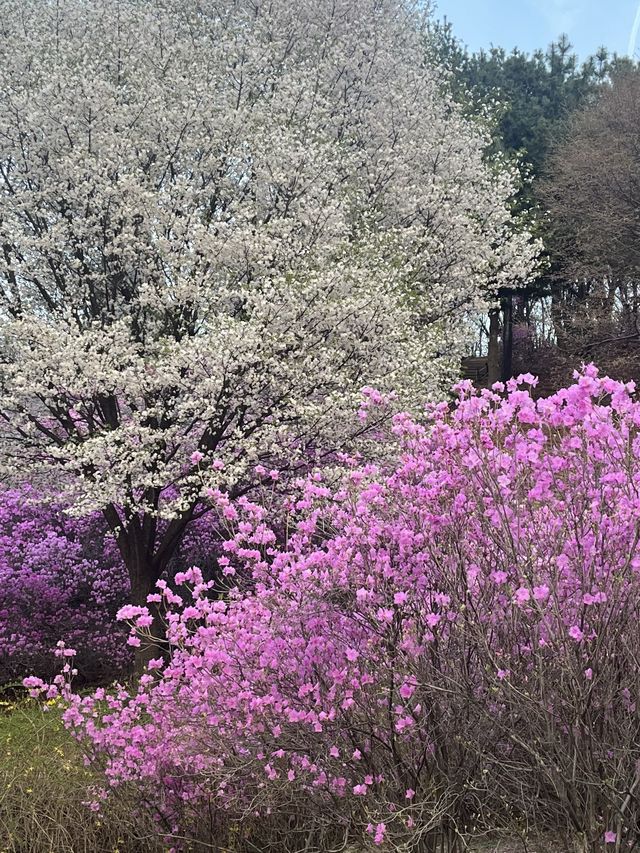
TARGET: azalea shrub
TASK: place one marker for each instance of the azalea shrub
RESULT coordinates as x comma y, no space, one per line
62,580
439,649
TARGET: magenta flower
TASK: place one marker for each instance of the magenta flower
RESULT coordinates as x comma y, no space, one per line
380,833
541,593
576,633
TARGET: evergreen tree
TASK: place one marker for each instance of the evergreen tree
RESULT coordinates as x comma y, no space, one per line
527,101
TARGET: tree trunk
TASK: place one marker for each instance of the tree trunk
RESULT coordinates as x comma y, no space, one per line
493,359
559,318
143,577
137,542
146,553
507,338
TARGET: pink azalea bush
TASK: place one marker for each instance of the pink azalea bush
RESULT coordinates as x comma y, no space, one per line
437,650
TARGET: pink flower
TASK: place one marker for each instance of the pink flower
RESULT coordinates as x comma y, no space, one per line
407,690
433,619
196,457
384,614
576,633
610,837
540,593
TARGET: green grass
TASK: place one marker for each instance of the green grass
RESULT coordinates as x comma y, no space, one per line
44,785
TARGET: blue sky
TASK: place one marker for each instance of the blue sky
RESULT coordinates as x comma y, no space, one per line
529,24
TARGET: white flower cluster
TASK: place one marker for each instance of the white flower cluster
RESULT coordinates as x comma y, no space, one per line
219,219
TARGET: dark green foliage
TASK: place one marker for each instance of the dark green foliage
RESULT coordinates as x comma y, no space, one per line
529,96
528,101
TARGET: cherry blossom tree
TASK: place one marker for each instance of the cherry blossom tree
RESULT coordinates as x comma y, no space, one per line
218,221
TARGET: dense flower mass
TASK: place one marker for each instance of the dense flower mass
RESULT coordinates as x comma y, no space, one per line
445,646
61,579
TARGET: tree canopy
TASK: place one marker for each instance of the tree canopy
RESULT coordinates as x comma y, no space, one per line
219,221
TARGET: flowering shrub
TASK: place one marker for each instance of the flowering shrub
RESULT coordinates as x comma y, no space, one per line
437,650
61,579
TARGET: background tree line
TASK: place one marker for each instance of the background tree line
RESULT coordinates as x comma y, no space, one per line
573,129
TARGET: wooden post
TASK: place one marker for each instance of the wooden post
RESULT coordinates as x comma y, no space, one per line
493,358
507,337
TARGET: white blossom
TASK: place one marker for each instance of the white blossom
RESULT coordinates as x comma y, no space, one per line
218,221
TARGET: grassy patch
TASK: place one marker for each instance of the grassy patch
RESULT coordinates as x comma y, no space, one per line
44,786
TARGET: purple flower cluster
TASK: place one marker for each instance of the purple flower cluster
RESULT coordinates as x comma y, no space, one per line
61,579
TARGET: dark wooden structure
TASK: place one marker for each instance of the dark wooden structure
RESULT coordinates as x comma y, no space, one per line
476,369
